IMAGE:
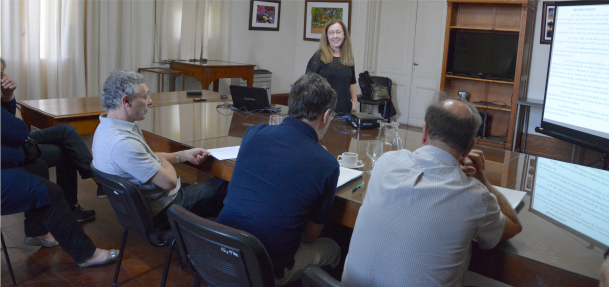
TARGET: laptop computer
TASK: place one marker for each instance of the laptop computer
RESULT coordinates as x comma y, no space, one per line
250,99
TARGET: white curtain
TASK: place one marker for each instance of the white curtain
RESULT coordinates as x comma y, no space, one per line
120,36
67,48
192,29
43,45
179,29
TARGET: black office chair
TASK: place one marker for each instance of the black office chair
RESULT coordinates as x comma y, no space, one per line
385,107
221,256
8,261
132,213
314,276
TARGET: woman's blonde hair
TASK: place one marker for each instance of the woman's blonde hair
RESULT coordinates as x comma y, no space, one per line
346,56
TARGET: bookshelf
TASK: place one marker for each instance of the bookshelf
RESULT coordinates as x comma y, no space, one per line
494,96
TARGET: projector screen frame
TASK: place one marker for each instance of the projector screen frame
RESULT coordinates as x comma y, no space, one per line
563,133
593,242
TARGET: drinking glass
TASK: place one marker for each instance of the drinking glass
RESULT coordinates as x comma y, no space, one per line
374,150
275,119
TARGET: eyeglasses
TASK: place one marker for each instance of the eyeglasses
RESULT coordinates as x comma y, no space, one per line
337,32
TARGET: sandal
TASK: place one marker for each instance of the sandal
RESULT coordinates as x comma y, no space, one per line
35,241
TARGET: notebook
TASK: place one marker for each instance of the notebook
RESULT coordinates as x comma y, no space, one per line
250,99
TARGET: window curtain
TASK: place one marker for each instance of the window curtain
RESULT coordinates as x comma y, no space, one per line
120,35
191,29
67,48
43,46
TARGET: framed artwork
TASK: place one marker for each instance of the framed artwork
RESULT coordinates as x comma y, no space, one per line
318,13
264,15
547,23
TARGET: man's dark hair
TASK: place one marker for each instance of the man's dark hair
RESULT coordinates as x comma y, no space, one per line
310,97
455,131
3,63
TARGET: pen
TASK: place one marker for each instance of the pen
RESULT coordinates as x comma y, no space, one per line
358,186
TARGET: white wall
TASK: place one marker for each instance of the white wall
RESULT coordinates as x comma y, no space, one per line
284,52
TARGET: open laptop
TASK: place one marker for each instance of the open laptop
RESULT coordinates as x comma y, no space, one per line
250,99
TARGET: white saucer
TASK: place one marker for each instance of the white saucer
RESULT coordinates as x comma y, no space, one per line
353,166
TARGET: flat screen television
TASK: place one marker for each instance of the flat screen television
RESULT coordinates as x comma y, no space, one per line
482,55
576,102
573,197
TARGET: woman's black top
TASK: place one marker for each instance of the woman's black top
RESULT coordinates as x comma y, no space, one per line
339,76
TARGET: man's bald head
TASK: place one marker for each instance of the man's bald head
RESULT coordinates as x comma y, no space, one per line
454,123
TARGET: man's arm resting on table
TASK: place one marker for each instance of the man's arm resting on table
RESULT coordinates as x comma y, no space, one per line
166,177
194,155
512,224
311,232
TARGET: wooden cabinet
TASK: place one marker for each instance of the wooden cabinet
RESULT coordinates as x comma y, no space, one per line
497,97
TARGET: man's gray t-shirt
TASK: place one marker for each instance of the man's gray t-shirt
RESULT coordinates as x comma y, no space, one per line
119,148
417,222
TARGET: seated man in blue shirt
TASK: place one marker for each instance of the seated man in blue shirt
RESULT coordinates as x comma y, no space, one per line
284,181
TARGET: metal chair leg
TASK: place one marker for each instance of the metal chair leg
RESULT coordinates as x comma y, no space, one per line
120,258
198,280
167,263
8,261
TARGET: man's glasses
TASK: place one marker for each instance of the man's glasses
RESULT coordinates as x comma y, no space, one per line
337,32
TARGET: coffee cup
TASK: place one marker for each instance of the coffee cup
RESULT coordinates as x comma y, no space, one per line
275,120
349,159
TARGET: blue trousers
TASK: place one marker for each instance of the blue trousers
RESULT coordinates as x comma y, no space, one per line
46,210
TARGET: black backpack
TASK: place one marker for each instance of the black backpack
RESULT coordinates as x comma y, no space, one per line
365,84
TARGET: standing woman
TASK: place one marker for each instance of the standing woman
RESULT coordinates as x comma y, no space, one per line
334,61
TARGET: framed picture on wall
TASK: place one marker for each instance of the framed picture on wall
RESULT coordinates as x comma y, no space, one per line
547,23
264,15
318,13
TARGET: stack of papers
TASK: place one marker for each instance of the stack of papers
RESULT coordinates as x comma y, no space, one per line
224,152
514,197
347,175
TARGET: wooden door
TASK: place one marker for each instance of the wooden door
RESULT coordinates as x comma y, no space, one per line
409,51
427,60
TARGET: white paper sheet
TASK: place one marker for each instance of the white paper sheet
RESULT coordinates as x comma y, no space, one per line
514,197
346,175
224,152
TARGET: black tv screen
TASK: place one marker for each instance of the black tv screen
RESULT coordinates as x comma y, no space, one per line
482,55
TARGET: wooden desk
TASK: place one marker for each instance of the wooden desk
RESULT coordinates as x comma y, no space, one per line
210,71
83,113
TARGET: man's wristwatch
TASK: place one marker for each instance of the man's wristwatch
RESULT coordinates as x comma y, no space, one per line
178,157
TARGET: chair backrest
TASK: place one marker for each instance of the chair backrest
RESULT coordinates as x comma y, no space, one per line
382,81
221,255
127,201
314,276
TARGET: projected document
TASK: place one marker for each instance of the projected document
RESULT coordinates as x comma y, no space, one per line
575,196
577,94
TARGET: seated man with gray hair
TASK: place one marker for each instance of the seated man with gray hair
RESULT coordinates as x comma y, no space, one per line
119,148
423,209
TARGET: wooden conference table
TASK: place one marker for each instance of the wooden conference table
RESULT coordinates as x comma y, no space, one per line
542,255
83,113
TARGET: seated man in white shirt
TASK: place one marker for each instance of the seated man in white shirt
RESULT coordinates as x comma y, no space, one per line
119,148
423,209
